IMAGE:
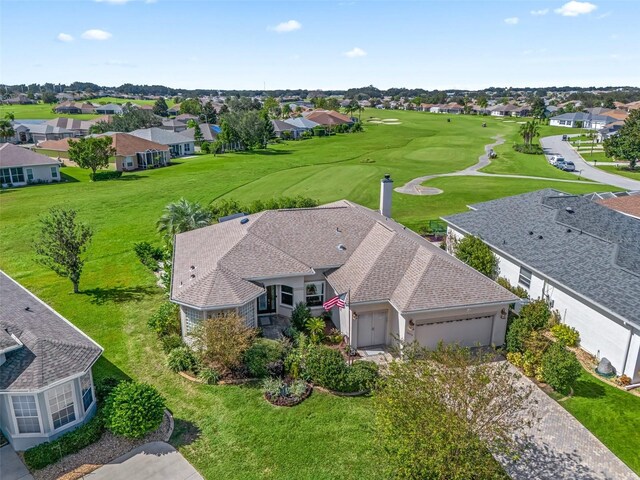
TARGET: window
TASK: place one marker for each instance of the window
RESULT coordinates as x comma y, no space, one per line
286,295
29,175
314,293
54,172
61,405
17,175
26,412
5,177
525,277
193,318
87,391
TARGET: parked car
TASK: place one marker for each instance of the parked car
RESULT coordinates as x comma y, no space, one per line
555,159
565,138
560,161
569,166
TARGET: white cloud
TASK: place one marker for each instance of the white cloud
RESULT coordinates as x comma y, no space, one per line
64,37
286,27
512,20
539,13
573,8
355,52
95,34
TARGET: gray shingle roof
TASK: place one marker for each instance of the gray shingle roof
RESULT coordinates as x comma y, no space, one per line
160,135
590,249
380,260
302,122
52,350
14,156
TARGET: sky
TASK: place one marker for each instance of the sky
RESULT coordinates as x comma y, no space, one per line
321,44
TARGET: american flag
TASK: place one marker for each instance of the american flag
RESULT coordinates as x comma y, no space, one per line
338,301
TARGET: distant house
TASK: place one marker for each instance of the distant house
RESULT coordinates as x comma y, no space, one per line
209,132
186,117
452,108
327,117
40,132
178,144
20,166
174,110
74,107
80,128
302,123
580,120
132,153
437,108
581,257
46,386
609,130
424,107
109,109
20,99
285,129
173,125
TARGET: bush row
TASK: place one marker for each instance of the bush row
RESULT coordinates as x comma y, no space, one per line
106,175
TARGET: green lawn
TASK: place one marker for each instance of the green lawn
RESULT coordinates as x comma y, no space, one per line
230,432
618,171
121,101
595,156
39,111
610,414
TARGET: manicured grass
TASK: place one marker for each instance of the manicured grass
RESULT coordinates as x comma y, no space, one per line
230,432
595,156
122,101
39,111
610,414
618,171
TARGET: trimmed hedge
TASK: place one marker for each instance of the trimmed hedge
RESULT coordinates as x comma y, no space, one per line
528,149
106,175
48,453
327,368
261,354
560,367
133,410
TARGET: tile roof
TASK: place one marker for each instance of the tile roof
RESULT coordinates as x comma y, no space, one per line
14,156
160,135
362,251
325,117
53,349
585,246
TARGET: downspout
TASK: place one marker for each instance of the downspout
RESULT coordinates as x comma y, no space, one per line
626,351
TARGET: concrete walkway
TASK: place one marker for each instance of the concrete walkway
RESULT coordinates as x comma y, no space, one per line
561,448
11,467
555,146
414,187
151,461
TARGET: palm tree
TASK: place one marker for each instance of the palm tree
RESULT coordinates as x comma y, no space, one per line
359,109
528,131
6,130
182,216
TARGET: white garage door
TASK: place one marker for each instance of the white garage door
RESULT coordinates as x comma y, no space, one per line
468,332
372,328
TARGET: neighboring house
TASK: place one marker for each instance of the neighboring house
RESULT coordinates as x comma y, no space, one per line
39,132
580,120
20,166
74,108
109,109
178,144
453,108
327,117
174,110
302,123
209,132
280,127
79,128
132,153
627,203
398,284
21,99
173,125
437,108
580,256
21,133
424,107
609,130
46,387
186,117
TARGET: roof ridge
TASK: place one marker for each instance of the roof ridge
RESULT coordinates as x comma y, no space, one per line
387,242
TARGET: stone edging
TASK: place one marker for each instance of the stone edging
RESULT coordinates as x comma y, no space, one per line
168,413
341,394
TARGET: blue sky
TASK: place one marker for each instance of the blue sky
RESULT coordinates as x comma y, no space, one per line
321,44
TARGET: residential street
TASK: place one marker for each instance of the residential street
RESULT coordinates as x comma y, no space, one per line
555,146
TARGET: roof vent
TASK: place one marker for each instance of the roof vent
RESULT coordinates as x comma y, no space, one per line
28,309
569,210
338,231
539,237
193,275
244,221
192,267
341,247
530,232
569,230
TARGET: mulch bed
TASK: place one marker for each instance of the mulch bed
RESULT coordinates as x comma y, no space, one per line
280,401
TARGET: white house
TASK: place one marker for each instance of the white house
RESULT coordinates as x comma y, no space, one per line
581,120
20,166
179,145
46,386
397,284
580,256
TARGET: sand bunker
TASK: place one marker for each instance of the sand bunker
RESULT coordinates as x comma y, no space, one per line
508,121
392,123
390,120
375,121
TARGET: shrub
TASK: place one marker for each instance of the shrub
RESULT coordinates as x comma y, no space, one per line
335,336
515,358
529,364
300,315
529,149
361,376
171,342
106,175
298,388
325,367
536,314
518,290
565,334
209,376
261,354
133,410
182,359
517,333
315,327
272,386
45,454
105,386
166,320
148,255
477,254
222,341
561,368
275,369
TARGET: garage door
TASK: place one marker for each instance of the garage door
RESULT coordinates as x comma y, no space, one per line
468,332
372,328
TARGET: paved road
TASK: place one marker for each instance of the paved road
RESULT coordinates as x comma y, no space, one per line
555,146
561,448
151,461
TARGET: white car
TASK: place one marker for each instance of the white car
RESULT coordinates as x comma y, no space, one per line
555,159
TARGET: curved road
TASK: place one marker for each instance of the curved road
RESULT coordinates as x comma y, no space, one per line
555,146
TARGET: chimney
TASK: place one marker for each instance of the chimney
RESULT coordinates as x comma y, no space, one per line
386,189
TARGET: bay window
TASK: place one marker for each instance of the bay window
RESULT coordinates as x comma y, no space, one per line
61,405
26,413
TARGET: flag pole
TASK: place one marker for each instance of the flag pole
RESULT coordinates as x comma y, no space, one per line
350,322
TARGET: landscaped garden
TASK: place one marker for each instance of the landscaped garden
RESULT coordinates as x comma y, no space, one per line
230,431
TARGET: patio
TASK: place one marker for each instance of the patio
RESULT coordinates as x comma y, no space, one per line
273,325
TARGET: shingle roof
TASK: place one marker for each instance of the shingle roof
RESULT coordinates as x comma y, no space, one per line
326,117
362,251
160,135
589,248
124,143
14,156
301,122
45,128
629,204
280,126
52,350
71,123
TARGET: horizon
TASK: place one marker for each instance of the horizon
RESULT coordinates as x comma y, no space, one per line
272,46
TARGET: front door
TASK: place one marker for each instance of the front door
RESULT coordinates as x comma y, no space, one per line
372,328
267,301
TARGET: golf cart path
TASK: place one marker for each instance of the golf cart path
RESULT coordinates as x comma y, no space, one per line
414,187
554,145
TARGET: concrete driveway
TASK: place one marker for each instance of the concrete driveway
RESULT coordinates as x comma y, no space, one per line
151,461
11,467
555,146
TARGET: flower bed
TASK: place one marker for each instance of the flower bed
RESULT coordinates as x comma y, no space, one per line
283,393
